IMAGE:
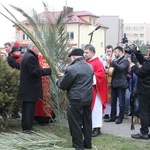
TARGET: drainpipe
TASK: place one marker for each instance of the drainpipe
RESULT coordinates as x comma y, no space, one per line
79,34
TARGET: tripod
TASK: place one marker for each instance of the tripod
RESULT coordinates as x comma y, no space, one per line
132,96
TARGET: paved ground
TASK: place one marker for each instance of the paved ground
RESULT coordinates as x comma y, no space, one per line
121,130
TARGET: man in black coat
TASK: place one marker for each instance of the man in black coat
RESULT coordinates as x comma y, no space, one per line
118,85
30,88
78,81
143,91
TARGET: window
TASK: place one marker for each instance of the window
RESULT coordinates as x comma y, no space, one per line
141,35
135,35
25,37
135,28
90,20
94,21
128,35
71,35
128,28
141,41
142,28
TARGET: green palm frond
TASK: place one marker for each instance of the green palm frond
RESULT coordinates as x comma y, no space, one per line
51,39
18,140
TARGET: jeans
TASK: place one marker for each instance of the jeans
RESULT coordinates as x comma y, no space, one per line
120,93
127,100
136,107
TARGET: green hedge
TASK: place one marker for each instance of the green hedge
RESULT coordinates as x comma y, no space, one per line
9,80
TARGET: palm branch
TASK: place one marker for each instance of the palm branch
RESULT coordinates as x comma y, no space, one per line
52,41
38,141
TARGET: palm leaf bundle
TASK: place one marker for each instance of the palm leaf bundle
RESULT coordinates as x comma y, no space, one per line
51,38
37,141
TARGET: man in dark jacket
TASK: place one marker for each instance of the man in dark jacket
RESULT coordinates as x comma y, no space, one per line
143,91
78,80
30,88
119,85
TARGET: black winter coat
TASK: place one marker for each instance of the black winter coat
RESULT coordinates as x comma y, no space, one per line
30,88
12,62
119,79
78,81
143,73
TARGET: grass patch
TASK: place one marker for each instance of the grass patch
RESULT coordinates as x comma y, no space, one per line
102,142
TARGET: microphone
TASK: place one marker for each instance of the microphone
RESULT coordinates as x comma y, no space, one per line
94,30
97,28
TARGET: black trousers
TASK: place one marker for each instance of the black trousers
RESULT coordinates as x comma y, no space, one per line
144,112
80,122
28,111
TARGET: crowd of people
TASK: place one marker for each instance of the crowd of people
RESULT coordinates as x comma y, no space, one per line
34,76
97,88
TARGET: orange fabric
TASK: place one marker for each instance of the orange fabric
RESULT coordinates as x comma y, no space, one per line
108,94
44,107
100,86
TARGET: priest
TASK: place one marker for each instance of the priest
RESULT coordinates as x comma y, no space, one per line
99,89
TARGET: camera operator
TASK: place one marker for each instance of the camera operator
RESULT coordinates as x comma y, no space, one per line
143,91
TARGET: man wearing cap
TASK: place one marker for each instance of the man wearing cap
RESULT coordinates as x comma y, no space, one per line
78,80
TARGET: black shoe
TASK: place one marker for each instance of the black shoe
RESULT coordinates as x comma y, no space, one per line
87,147
118,121
109,120
140,136
96,132
106,116
149,136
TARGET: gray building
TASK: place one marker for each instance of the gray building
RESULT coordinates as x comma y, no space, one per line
114,33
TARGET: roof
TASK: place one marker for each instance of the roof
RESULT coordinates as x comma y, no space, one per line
76,18
85,13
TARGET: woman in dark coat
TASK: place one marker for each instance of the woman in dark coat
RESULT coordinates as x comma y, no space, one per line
15,58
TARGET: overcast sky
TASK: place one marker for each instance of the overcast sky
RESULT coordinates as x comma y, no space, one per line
131,11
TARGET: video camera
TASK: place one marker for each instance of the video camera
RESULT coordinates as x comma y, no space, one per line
131,48
128,48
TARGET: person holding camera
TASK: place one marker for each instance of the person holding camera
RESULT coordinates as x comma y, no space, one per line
143,91
119,85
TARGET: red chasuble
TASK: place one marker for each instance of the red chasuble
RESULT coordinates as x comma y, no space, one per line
44,107
100,87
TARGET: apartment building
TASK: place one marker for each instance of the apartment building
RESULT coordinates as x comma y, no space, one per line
136,32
